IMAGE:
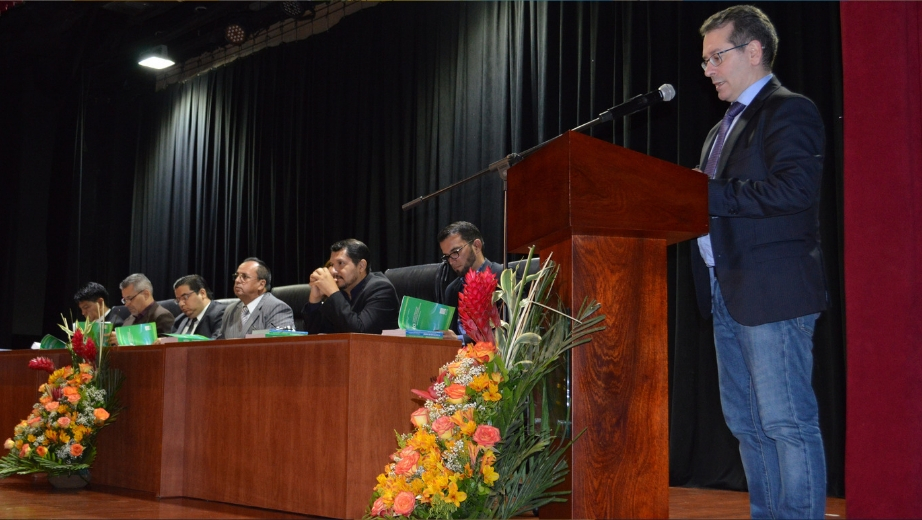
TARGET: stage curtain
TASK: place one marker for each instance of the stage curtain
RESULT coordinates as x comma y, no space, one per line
281,153
883,216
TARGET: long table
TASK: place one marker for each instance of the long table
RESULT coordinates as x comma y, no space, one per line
300,424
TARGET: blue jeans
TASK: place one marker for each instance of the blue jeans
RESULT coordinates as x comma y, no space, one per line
768,402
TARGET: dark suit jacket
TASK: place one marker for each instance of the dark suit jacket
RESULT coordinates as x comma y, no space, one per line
374,309
156,314
271,313
116,315
210,324
764,206
455,287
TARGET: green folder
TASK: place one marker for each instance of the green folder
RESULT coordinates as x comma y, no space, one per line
141,334
189,337
94,332
417,314
50,342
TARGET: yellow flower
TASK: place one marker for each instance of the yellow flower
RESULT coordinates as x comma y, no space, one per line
479,383
492,393
64,438
489,475
454,496
31,438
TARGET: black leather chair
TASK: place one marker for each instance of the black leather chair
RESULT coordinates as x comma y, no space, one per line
428,281
171,306
296,296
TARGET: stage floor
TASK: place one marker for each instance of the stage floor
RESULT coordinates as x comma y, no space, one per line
23,497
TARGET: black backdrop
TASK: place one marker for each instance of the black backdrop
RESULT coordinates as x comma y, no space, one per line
281,153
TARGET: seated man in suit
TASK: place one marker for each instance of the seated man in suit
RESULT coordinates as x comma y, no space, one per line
357,300
91,298
200,315
462,249
257,308
138,296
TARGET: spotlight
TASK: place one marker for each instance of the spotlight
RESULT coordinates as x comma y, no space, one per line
235,33
298,9
156,58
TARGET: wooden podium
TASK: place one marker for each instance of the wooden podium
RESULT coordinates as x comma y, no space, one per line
607,214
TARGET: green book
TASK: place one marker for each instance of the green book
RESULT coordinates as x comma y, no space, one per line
279,333
188,337
50,342
94,332
417,314
141,334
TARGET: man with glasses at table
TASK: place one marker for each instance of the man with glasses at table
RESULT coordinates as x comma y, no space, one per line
257,308
200,315
348,296
138,297
462,250
759,271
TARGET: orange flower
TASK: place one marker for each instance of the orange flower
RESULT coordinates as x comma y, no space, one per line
420,417
51,406
378,509
483,351
100,414
41,451
486,435
407,465
404,503
76,450
72,394
455,393
443,427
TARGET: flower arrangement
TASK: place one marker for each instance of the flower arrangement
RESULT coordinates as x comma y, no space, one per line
482,445
76,402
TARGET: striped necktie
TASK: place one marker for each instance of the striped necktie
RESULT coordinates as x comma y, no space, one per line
711,168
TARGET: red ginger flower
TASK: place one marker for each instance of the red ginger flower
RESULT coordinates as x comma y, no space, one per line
42,363
85,350
77,340
475,305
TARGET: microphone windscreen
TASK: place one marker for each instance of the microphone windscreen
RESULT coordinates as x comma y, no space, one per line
667,91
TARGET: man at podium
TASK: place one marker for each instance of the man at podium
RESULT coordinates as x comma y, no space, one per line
759,271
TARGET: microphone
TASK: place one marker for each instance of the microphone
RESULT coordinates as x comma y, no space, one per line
665,93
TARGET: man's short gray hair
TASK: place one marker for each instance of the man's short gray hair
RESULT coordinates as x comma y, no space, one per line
139,282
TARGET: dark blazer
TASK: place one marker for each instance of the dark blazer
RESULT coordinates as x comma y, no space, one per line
455,287
116,315
764,206
156,314
210,324
374,309
271,313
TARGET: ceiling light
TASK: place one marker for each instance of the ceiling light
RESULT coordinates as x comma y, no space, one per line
156,58
235,33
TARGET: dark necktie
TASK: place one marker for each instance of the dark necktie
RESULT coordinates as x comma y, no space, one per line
191,326
711,168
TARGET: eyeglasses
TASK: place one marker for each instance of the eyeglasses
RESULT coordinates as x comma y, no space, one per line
716,59
184,297
242,276
127,300
454,253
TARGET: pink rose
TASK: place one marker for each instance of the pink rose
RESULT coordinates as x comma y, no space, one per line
404,503
407,464
51,406
486,435
24,451
420,417
64,422
443,426
378,509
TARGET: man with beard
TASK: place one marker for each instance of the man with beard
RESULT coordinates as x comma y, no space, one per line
462,249
348,296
